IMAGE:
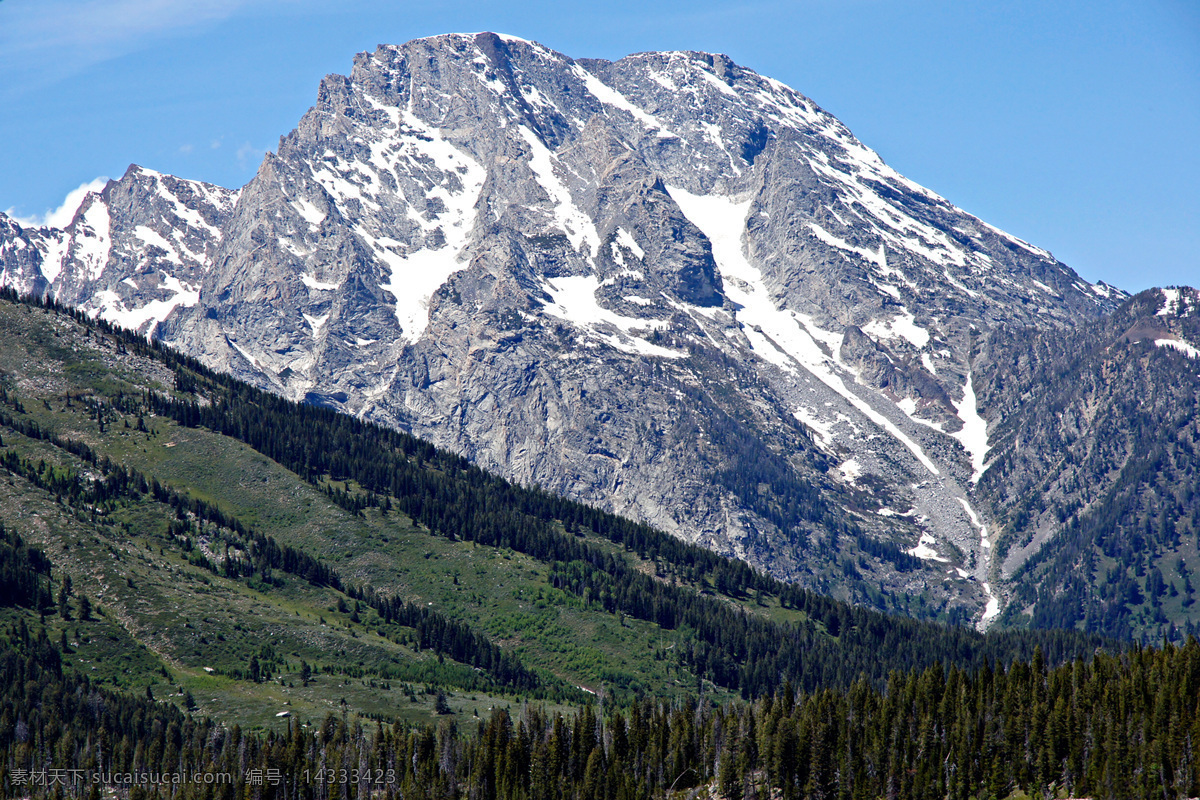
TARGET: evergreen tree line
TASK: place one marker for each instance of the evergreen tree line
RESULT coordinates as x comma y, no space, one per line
121,483
435,631
458,500
1124,726
24,572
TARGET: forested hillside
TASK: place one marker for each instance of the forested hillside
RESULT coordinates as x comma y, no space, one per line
202,487
196,574
1117,727
1097,466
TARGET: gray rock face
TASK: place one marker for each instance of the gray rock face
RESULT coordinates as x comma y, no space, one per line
665,285
132,253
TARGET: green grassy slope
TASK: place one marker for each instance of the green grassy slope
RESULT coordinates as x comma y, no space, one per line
296,537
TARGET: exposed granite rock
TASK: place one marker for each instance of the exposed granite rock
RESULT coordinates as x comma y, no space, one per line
665,285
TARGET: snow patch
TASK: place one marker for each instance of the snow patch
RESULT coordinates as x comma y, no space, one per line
92,250
973,435
1178,302
312,215
1045,288
851,470
902,326
991,611
316,323
184,212
873,256
112,308
776,335
1170,302
155,239
626,240
578,226
1190,350
574,300
663,81
720,85
415,276
611,97
311,282
925,551
54,252
245,353
900,229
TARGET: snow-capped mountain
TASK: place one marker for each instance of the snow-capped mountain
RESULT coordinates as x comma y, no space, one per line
132,253
665,285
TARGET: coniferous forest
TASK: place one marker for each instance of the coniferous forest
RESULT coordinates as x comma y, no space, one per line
1115,726
817,699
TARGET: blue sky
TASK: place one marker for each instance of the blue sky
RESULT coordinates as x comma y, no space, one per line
1074,125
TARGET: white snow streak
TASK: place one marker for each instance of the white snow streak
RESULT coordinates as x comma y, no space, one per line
417,275
991,611
626,240
776,335
874,256
311,282
1191,351
155,239
92,251
113,309
574,299
577,225
56,245
611,97
983,540
973,435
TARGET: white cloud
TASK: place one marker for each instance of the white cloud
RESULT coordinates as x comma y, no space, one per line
249,156
47,39
61,217
108,24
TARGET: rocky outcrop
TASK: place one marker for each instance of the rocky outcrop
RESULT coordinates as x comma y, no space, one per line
666,285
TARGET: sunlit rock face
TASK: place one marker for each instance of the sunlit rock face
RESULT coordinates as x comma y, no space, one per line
666,285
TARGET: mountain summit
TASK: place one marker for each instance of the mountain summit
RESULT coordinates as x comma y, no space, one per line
665,285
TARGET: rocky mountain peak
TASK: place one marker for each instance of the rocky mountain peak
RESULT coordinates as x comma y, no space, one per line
666,285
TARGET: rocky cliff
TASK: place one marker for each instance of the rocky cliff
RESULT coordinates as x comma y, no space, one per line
666,285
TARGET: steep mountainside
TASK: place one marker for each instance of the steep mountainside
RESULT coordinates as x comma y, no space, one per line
192,537
1095,477
665,285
